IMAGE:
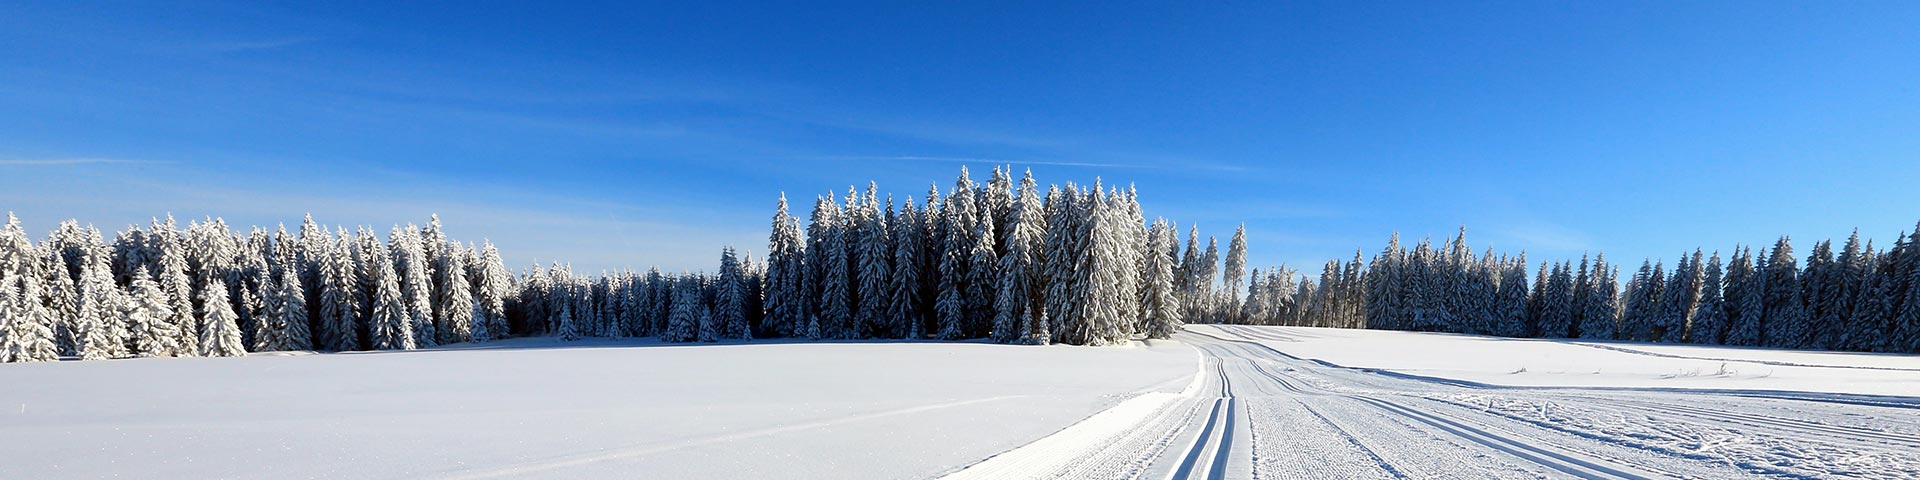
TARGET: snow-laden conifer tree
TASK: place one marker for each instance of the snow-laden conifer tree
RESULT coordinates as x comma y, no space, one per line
103,332
1748,328
494,283
1019,306
730,314
1162,304
1061,242
875,269
904,289
390,327
1235,272
683,323
455,294
338,308
415,278
983,281
1784,319
220,331
1710,315
147,311
786,267
1511,303
836,279
178,287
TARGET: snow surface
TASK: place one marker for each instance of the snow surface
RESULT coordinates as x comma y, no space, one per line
1580,363
1262,407
539,408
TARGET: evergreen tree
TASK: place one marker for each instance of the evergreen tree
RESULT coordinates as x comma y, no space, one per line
875,269
103,332
147,313
836,282
683,323
415,277
1162,305
455,295
786,264
1512,295
1709,324
220,333
1784,318
1020,309
1235,273
904,296
730,316
494,283
389,327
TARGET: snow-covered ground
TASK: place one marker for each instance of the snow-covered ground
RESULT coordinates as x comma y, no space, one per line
593,408
1272,403
1221,402
1540,362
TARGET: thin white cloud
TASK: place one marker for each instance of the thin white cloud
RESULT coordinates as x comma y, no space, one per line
77,161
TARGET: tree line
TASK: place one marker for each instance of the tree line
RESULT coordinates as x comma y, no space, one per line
1000,260
1859,298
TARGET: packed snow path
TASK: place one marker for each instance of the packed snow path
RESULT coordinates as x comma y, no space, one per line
1256,412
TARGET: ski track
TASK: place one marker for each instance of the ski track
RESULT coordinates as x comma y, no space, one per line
1777,363
1253,411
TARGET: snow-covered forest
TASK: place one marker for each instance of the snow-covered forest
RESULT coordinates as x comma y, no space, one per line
1859,298
1001,260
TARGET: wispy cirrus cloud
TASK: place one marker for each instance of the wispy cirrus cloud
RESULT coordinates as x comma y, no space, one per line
77,161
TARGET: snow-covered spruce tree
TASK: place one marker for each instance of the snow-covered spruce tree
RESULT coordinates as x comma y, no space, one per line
565,322
729,314
836,277
415,277
338,308
454,295
26,324
1872,317
875,269
150,334
1817,290
1857,332
1162,304
103,332
1511,303
983,281
904,289
683,323
1784,318
958,225
1235,273
220,329
61,297
1017,305
1748,328
494,283
1062,242
1599,319
271,329
178,287
786,267
389,327
1101,266
437,262
1710,315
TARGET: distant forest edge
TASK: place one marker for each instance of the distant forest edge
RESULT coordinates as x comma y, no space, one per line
1001,260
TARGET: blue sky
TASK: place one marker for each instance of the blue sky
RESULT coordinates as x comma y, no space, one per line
635,133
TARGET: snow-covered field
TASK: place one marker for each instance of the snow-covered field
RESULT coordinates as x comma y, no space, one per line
1220,402
1539,362
1271,402
525,409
